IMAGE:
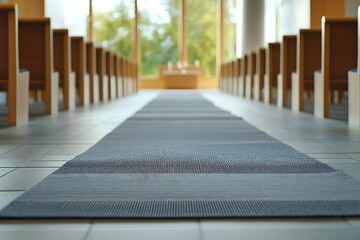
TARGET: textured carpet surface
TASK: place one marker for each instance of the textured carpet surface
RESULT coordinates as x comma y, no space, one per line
182,157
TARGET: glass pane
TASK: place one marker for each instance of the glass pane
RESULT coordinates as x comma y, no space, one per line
159,34
201,33
114,24
230,30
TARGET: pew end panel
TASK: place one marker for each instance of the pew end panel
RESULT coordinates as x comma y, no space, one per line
272,71
235,77
339,55
101,71
242,79
62,64
287,67
110,72
13,81
91,69
36,55
354,98
308,61
259,75
78,65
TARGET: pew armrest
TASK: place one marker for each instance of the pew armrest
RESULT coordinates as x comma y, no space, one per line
22,101
354,98
296,93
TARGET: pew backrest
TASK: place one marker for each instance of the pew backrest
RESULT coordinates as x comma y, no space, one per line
36,50
308,56
339,50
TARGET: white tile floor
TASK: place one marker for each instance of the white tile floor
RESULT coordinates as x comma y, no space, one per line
29,153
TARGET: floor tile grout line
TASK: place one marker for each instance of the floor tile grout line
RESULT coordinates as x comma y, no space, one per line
87,234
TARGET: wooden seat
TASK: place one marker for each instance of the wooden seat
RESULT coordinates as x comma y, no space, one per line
287,67
12,80
36,55
62,64
92,71
78,65
244,72
235,77
308,61
103,77
259,75
110,72
339,55
250,76
272,70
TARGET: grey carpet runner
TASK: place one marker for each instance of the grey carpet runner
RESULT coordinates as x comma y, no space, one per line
182,157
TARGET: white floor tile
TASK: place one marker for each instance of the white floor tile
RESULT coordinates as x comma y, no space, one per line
277,230
150,230
73,149
4,171
29,151
23,178
6,148
7,197
44,230
45,164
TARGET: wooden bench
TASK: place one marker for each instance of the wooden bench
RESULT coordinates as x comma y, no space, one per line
110,72
242,78
92,71
308,61
354,88
62,64
124,76
272,70
287,67
36,55
12,80
78,65
250,76
103,77
235,77
117,71
338,56
259,75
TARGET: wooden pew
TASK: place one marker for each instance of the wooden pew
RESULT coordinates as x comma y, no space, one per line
339,55
110,72
221,77
36,55
259,75
272,70
229,72
92,71
62,64
244,72
250,76
354,88
78,65
12,80
235,77
124,76
117,71
287,67
239,74
103,77
308,61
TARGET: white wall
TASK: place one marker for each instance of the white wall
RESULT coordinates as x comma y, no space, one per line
351,7
70,14
293,15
